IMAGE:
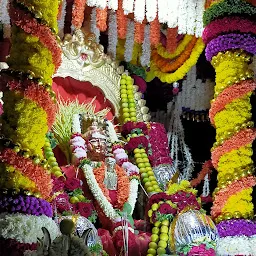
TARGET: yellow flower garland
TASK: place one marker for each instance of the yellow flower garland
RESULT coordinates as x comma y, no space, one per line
27,123
242,199
235,114
13,179
181,47
35,57
180,72
46,10
235,161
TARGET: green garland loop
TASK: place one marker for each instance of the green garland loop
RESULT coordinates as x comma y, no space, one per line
228,8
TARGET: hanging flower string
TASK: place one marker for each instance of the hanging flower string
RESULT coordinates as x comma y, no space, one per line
78,13
171,39
101,16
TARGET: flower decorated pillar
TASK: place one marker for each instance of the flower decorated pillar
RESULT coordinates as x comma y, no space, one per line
230,36
29,111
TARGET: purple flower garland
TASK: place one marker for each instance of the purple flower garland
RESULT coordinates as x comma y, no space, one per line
25,204
231,41
236,227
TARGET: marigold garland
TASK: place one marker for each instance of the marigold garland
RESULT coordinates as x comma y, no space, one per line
161,50
78,13
243,198
226,97
28,24
35,172
155,32
40,62
121,21
22,124
139,32
242,138
46,10
166,66
206,169
14,179
122,184
171,39
102,15
234,116
222,197
180,72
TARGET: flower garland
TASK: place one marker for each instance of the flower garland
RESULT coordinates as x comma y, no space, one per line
121,21
228,8
78,13
36,173
5,19
61,21
112,35
164,64
230,41
155,32
216,28
236,245
233,189
129,42
159,145
181,71
226,96
180,48
101,19
14,180
15,226
94,28
101,197
25,204
232,158
30,25
236,227
122,184
33,141
146,48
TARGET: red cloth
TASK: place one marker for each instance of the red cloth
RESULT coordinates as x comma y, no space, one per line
107,242
71,89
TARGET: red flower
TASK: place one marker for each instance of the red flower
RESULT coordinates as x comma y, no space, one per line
85,209
129,126
137,142
72,184
166,209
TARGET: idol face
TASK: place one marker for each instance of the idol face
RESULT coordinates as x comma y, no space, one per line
96,149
